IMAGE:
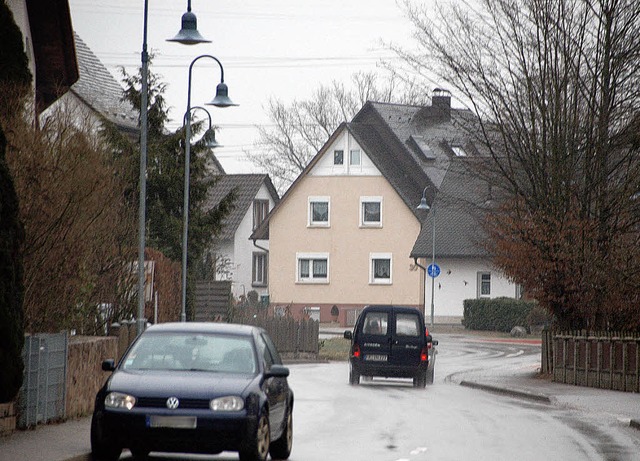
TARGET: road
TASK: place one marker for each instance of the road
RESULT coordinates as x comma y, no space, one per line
389,420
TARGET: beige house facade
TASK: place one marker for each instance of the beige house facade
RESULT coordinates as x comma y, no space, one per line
342,239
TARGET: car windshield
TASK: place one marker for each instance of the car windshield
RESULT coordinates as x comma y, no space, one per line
192,352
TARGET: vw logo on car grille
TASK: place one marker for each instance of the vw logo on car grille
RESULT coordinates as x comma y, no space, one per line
172,403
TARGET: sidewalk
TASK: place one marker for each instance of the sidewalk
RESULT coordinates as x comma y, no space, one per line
69,441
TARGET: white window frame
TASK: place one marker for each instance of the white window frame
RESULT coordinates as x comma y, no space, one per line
480,281
256,273
370,199
351,152
312,257
373,280
260,211
318,199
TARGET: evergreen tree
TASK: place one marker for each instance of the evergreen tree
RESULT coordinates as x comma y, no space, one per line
165,183
14,83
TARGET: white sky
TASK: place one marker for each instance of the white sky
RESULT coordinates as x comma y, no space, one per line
280,48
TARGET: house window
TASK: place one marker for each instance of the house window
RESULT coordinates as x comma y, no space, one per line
318,212
260,211
484,284
354,157
338,157
312,268
260,269
371,211
380,268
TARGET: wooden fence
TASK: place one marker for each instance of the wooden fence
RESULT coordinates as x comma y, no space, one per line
602,360
291,337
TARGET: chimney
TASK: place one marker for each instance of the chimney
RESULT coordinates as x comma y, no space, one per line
441,100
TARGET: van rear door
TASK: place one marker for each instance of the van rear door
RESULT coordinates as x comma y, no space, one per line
375,338
408,339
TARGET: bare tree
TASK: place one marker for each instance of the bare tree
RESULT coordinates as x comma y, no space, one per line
555,85
301,128
78,226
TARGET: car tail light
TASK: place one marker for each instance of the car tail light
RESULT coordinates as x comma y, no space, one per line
356,351
424,355
426,334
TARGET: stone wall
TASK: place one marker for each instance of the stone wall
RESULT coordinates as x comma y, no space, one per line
7,418
84,371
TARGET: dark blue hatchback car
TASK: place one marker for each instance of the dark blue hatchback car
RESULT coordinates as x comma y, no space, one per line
392,342
196,388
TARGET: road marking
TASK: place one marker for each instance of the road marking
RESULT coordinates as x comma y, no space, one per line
419,450
520,352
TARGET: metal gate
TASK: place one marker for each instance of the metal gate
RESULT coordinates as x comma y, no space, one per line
352,316
42,396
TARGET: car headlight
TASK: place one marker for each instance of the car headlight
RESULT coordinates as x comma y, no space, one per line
119,400
229,403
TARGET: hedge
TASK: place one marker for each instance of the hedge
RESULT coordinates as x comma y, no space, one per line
498,314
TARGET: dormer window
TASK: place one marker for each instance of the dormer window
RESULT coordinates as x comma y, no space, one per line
459,151
354,157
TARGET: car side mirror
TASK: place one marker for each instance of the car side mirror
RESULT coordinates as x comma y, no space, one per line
348,334
434,342
277,371
108,365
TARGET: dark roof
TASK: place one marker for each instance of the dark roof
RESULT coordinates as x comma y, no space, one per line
458,215
246,187
100,91
54,53
410,145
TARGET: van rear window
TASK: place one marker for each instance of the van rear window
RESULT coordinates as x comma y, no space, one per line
407,325
376,323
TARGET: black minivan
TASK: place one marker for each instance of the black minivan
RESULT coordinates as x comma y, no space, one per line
392,342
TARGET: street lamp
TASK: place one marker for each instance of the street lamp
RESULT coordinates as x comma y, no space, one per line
190,36
425,206
220,100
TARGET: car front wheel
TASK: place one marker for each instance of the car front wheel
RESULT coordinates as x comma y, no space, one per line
281,448
258,447
102,449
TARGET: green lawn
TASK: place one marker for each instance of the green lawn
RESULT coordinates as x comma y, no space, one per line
334,348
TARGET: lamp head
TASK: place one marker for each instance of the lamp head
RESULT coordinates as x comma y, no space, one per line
423,204
222,97
209,139
188,34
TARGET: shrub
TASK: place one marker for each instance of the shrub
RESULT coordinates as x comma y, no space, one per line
499,314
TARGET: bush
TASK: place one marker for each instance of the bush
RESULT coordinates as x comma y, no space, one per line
499,314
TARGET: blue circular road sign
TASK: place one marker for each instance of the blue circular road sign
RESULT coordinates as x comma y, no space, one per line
433,270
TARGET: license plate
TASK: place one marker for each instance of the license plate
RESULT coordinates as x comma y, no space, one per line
174,422
375,358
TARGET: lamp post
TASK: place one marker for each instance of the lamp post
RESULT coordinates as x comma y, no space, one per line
188,35
220,100
425,206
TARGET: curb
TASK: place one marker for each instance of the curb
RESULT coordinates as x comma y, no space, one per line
510,392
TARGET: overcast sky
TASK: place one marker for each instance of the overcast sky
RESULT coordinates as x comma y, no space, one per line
280,48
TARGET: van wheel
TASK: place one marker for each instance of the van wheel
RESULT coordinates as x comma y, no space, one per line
354,377
420,380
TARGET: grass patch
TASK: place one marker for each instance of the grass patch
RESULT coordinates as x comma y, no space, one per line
334,349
